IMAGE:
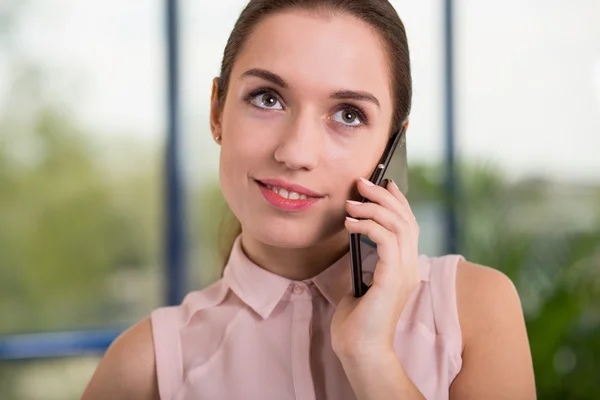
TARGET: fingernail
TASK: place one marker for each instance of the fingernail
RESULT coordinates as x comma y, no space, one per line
351,219
384,183
357,203
367,182
396,186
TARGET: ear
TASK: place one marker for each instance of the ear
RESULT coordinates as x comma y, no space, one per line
215,111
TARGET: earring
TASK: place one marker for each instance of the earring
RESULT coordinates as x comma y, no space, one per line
218,139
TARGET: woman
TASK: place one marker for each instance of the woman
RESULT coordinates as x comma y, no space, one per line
309,93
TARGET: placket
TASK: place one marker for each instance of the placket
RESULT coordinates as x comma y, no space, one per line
301,299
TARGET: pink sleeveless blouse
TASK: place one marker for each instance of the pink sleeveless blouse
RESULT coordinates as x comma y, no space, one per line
254,335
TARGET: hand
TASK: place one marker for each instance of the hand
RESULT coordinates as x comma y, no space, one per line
365,327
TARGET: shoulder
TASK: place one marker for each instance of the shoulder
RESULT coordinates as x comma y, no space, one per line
485,297
474,281
127,370
143,361
495,344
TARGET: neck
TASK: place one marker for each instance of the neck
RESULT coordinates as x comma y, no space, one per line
296,264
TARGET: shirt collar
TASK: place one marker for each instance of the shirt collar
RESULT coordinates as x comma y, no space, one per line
262,290
336,281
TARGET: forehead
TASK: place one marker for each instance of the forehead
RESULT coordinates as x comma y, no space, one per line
317,52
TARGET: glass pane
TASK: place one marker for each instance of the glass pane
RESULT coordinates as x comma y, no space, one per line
54,379
529,118
205,29
81,120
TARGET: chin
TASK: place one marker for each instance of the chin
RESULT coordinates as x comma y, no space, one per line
286,234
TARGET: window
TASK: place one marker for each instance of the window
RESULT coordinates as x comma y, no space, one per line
82,111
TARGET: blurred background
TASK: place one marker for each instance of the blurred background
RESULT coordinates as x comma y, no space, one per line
109,197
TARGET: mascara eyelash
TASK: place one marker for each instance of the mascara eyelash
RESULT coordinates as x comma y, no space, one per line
261,91
358,110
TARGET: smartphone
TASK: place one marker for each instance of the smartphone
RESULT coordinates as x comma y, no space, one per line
359,288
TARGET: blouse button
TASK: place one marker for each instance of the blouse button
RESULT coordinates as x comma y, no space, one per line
298,288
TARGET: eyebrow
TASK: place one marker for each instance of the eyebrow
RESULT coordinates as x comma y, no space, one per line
352,95
339,95
267,76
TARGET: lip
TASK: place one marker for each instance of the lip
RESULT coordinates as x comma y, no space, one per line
290,187
285,204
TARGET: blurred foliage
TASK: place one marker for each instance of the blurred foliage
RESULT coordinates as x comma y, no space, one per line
69,230
79,231
61,235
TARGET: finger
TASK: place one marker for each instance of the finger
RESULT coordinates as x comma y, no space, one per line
406,235
392,199
393,188
405,206
376,194
383,216
395,257
387,245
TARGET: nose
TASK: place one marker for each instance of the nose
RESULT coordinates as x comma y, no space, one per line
300,144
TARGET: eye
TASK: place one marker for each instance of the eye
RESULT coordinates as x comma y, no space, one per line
265,100
349,117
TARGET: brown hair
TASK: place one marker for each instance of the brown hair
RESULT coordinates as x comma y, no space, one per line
379,14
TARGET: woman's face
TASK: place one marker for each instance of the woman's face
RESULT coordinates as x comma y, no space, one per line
309,104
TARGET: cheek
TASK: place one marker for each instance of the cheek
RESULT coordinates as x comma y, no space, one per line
349,165
244,153
245,128
236,156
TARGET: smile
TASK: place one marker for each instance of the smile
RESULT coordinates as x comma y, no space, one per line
287,194
289,198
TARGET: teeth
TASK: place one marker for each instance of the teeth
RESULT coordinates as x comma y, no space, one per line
287,194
